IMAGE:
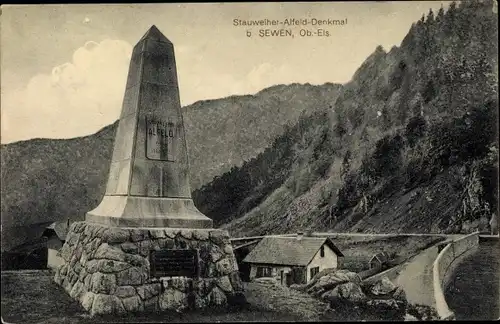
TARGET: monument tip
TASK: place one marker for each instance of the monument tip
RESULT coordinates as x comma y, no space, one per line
155,34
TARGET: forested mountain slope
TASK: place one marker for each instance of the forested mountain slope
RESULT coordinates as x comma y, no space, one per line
410,144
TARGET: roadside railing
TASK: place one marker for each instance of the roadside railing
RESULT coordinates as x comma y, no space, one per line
441,266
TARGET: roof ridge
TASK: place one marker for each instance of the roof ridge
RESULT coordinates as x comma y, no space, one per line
319,247
288,250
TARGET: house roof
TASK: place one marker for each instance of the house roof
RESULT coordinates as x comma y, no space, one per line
381,257
61,228
288,250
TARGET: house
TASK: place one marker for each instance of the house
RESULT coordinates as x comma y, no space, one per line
293,259
56,236
379,260
24,247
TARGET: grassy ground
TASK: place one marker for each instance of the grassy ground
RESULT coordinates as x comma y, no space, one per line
310,308
271,297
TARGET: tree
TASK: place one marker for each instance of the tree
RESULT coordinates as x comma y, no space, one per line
430,17
429,91
453,8
415,129
440,15
450,19
396,78
346,163
379,49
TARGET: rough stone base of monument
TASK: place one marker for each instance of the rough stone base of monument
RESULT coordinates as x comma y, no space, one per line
108,270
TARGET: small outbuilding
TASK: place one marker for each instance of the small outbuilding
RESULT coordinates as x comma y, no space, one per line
379,260
293,260
56,236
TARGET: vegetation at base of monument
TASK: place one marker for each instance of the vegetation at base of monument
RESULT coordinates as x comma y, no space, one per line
410,144
33,297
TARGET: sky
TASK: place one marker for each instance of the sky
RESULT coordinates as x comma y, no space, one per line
64,67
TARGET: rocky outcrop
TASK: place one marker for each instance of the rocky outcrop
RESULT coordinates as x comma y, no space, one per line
350,291
342,288
332,280
108,269
383,287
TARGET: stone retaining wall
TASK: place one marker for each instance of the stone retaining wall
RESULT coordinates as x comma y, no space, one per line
391,273
442,269
108,271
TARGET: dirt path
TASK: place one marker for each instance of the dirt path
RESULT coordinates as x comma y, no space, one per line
417,280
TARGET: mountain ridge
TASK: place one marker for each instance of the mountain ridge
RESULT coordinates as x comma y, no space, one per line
410,121
397,140
55,179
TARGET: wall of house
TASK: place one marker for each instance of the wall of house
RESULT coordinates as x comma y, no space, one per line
54,244
374,263
275,273
330,260
53,260
253,271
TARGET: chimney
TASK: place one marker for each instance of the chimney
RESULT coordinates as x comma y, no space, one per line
300,235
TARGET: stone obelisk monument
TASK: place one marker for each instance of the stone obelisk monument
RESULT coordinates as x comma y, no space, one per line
146,247
148,183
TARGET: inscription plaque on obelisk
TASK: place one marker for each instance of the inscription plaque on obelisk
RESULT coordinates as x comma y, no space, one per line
148,183
161,140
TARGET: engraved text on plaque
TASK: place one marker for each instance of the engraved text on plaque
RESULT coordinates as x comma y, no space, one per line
173,263
160,140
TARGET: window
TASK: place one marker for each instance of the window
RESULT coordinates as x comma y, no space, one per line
322,251
314,271
264,272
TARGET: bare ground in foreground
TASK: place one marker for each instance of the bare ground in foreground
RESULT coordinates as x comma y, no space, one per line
31,296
